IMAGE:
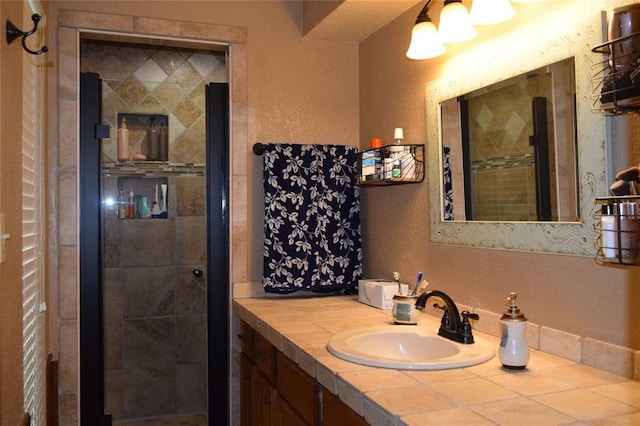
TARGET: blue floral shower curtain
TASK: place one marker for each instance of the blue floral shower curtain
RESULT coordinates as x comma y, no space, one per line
312,237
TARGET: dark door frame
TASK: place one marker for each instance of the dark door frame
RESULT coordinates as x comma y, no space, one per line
91,331
218,247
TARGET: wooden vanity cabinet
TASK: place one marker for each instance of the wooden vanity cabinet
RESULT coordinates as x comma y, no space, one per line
337,413
263,401
246,389
275,391
257,390
297,388
285,415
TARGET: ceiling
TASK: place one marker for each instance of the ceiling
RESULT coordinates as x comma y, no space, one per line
350,20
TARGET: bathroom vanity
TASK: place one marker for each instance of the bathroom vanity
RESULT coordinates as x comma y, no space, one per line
284,361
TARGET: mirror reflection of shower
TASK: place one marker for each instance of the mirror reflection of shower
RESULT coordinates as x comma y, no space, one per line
509,149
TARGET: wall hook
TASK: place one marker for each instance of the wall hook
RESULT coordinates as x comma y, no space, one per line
13,33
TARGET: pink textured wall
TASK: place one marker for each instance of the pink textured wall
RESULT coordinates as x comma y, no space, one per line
299,90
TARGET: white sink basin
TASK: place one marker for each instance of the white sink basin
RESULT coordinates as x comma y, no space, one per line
407,348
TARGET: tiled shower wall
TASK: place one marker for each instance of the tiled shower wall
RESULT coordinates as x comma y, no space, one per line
155,80
64,147
154,308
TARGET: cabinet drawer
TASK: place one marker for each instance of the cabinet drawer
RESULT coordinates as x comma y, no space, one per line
297,388
263,355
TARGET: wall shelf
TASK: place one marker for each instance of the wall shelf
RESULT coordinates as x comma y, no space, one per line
391,165
617,79
618,228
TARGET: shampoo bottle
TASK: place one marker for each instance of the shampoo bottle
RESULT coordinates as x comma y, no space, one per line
608,233
131,207
145,211
154,142
122,206
124,153
513,351
164,143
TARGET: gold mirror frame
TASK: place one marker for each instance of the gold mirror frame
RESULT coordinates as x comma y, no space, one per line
549,39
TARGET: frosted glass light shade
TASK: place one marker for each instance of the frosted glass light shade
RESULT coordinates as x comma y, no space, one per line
524,1
425,42
489,12
455,23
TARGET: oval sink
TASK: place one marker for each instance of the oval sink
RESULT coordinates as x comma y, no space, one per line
407,348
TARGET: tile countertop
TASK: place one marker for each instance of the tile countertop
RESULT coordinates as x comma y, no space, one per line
551,391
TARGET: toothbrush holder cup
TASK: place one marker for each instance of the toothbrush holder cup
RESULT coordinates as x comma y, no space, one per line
404,309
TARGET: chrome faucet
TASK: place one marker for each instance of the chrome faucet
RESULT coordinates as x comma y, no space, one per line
451,326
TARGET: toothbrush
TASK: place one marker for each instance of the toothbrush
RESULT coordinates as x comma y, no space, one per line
415,289
396,278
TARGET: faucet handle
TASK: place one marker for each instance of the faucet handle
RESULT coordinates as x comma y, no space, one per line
466,315
445,322
465,328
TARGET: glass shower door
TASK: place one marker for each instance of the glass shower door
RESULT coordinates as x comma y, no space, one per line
155,307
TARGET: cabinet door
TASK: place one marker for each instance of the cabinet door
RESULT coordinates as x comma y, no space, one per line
246,382
337,413
264,356
286,416
263,400
297,388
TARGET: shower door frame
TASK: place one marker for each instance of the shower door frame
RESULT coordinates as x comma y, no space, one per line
218,257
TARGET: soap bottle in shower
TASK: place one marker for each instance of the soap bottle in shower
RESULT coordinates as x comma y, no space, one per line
145,211
164,143
513,351
131,207
124,153
154,141
122,206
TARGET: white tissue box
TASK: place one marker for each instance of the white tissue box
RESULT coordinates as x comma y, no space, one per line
379,293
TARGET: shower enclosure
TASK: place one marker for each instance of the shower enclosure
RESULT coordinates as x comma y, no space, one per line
155,283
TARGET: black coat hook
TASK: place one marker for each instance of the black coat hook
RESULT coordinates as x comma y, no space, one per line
13,33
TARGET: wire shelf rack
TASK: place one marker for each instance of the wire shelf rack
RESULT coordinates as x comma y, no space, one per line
616,79
391,165
618,229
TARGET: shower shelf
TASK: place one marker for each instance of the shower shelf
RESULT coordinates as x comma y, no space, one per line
391,165
152,168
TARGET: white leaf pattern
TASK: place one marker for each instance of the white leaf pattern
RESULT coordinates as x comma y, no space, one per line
312,218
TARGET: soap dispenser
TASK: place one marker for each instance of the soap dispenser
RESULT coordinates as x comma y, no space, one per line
513,351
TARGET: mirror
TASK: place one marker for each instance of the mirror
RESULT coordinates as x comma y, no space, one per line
520,51
509,149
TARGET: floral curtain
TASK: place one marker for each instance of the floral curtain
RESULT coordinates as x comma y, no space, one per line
312,238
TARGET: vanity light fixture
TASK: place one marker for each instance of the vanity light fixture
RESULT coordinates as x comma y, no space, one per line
425,40
524,1
455,23
489,12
